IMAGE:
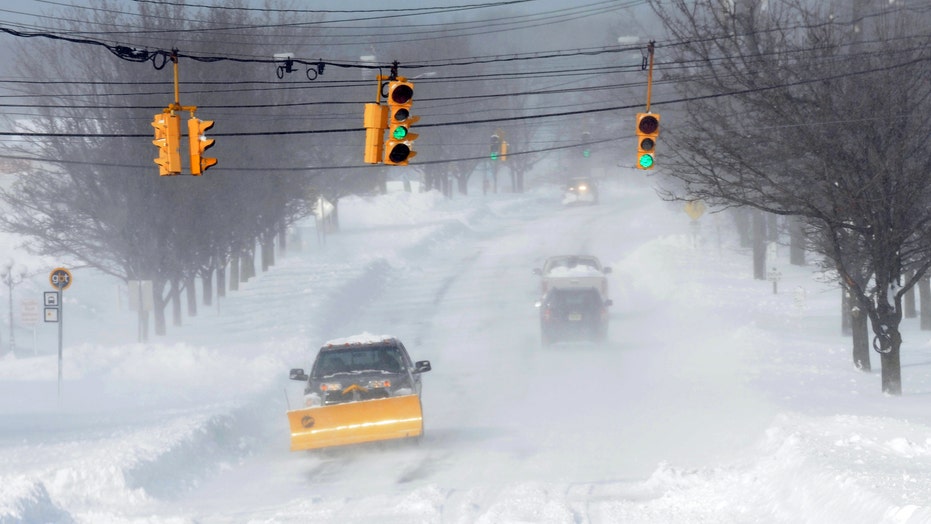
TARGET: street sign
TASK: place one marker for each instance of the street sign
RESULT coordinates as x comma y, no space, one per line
51,298
29,311
60,278
695,209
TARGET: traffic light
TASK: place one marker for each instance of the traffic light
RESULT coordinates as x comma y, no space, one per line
495,147
504,150
398,146
168,139
586,150
198,144
647,131
375,120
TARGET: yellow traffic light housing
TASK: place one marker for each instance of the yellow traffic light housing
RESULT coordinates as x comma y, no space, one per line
376,121
647,132
504,150
168,139
198,144
400,139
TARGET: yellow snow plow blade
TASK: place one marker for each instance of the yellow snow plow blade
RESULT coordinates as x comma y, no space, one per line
356,422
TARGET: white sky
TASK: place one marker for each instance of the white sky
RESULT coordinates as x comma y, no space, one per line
713,400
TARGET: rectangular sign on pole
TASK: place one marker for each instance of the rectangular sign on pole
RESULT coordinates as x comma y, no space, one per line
51,306
29,311
51,298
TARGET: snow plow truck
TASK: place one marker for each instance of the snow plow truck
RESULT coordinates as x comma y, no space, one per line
360,389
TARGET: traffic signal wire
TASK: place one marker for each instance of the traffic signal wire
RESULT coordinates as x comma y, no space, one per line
668,102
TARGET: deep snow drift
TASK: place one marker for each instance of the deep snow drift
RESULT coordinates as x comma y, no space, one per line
714,399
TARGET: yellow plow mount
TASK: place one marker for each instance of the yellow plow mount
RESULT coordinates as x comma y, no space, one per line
356,422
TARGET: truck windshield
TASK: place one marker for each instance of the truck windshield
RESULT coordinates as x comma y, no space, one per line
353,360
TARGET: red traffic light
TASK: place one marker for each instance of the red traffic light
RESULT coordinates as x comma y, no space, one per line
648,124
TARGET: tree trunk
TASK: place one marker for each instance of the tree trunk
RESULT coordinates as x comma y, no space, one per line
283,240
759,245
924,302
191,290
221,281
892,368
846,310
861,339
234,272
176,301
742,223
334,217
909,301
268,251
247,265
796,242
206,278
158,302
772,228
888,341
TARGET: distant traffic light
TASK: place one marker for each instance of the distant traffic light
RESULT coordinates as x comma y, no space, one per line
504,150
586,149
495,147
647,131
400,139
375,120
168,139
198,144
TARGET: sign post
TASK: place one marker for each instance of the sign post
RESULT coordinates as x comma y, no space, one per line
60,278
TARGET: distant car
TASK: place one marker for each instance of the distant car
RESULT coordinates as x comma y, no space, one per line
361,389
572,314
581,190
573,271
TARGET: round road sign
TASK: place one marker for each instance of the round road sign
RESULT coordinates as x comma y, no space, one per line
60,278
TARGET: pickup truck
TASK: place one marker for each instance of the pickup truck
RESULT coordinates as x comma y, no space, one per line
573,271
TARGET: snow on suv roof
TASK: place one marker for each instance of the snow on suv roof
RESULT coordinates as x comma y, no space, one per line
360,339
580,270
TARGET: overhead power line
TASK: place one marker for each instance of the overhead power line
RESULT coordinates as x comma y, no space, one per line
503,119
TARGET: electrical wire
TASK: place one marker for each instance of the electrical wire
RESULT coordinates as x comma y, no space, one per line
503,119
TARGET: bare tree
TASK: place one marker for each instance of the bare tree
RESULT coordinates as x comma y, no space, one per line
96,196
791,112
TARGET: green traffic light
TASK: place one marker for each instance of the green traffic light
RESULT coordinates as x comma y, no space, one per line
586,153
399,133
646,161
494,156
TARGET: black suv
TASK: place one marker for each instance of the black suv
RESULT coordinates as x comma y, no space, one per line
573,314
